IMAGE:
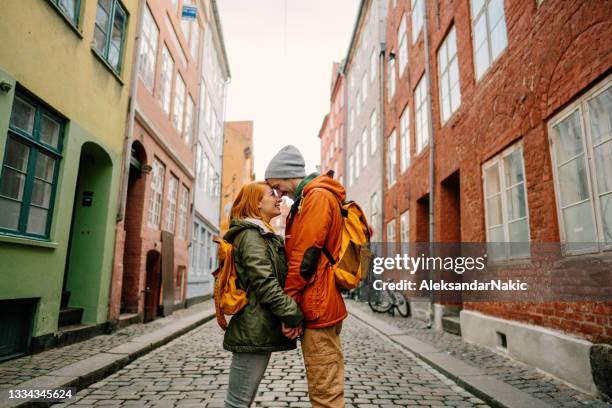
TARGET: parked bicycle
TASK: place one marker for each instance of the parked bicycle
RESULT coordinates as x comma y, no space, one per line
383,301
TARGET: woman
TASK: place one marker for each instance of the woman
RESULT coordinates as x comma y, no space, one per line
256,331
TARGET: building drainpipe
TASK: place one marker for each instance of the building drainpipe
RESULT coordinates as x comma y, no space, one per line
381,130
129,137
432,224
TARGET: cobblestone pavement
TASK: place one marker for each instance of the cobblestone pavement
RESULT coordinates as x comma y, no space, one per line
16,371
517,374
192,371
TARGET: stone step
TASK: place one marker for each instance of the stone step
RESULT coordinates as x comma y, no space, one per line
70,316
451,324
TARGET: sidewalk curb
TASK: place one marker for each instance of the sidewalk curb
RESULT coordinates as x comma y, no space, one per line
90,370
494,392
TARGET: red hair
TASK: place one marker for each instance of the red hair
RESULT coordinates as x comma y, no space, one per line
247,201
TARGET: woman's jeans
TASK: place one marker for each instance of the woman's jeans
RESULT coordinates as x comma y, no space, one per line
246,372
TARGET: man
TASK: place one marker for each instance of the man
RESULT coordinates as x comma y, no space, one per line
314,222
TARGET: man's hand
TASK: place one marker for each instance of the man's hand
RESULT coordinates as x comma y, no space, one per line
292,332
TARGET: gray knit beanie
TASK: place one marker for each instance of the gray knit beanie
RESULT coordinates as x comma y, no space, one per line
287,164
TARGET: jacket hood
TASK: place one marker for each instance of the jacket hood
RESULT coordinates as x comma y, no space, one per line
239,225
328,183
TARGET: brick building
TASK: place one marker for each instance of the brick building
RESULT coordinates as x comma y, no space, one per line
516,96
333,129
152,249
238,163
363,79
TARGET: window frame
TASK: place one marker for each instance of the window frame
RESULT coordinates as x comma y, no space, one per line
420,15
77,13
444,75
421,105
473,18
373,132
35,146
402,45
183,211
391,159
405,221
580,105
497,160
147,43
405,139
107,38
154,212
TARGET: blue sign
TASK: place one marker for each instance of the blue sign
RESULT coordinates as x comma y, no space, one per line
189,13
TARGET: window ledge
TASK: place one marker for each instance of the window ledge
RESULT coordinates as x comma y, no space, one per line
15,239
107,65
68,21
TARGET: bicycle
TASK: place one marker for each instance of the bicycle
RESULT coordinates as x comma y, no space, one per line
383,301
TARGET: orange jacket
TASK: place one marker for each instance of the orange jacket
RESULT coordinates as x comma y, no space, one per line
310,280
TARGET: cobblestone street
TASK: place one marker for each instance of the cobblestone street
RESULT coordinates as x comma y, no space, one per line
193,371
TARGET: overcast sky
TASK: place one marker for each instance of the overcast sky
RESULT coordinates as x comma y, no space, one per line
281,69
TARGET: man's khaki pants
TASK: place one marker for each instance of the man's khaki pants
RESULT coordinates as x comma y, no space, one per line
324,366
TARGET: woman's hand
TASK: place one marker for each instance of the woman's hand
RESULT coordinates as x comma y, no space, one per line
292,332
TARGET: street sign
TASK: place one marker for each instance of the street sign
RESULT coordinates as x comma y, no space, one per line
189,13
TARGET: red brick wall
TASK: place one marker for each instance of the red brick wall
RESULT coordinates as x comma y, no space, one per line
555,52
335,122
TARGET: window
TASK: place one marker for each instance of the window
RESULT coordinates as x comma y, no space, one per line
179,104
373,133
171,204
450,94
489,32
391,159
195,40
29,170
374,213
506,202
188,128
581,145
109,31
417,8
357,159
183,209
205,170
373,65
351,120
391,78
405,227
364,147
157,191
391,226
358,103
402,45
351,175
70,8
166,80
364,87
421,112
148,49
404,140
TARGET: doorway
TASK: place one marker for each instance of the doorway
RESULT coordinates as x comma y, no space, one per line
153,286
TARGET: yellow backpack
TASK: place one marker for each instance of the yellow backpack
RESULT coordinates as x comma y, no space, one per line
229,300
355,255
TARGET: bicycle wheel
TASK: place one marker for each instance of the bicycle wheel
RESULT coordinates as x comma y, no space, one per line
401,304
380,301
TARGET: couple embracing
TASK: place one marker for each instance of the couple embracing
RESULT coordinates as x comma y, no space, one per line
289,285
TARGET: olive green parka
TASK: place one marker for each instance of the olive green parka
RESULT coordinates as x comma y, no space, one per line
261,266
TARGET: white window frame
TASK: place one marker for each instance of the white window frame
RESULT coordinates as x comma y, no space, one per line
405,227
364,147
188,123
581,105
373,133
421,107
183,209
504,189
157,192
483,12
417,16
405,139
148,50
373,65
171,202
402,46
178,110
391,229
166,78
392,158
448,63
391,78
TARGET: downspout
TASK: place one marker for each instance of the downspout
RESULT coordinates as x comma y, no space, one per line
432,223
381,130
129,138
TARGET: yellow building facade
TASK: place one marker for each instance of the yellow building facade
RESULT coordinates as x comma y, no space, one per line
65,72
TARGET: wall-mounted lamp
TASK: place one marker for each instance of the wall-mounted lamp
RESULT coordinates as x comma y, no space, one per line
5,86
